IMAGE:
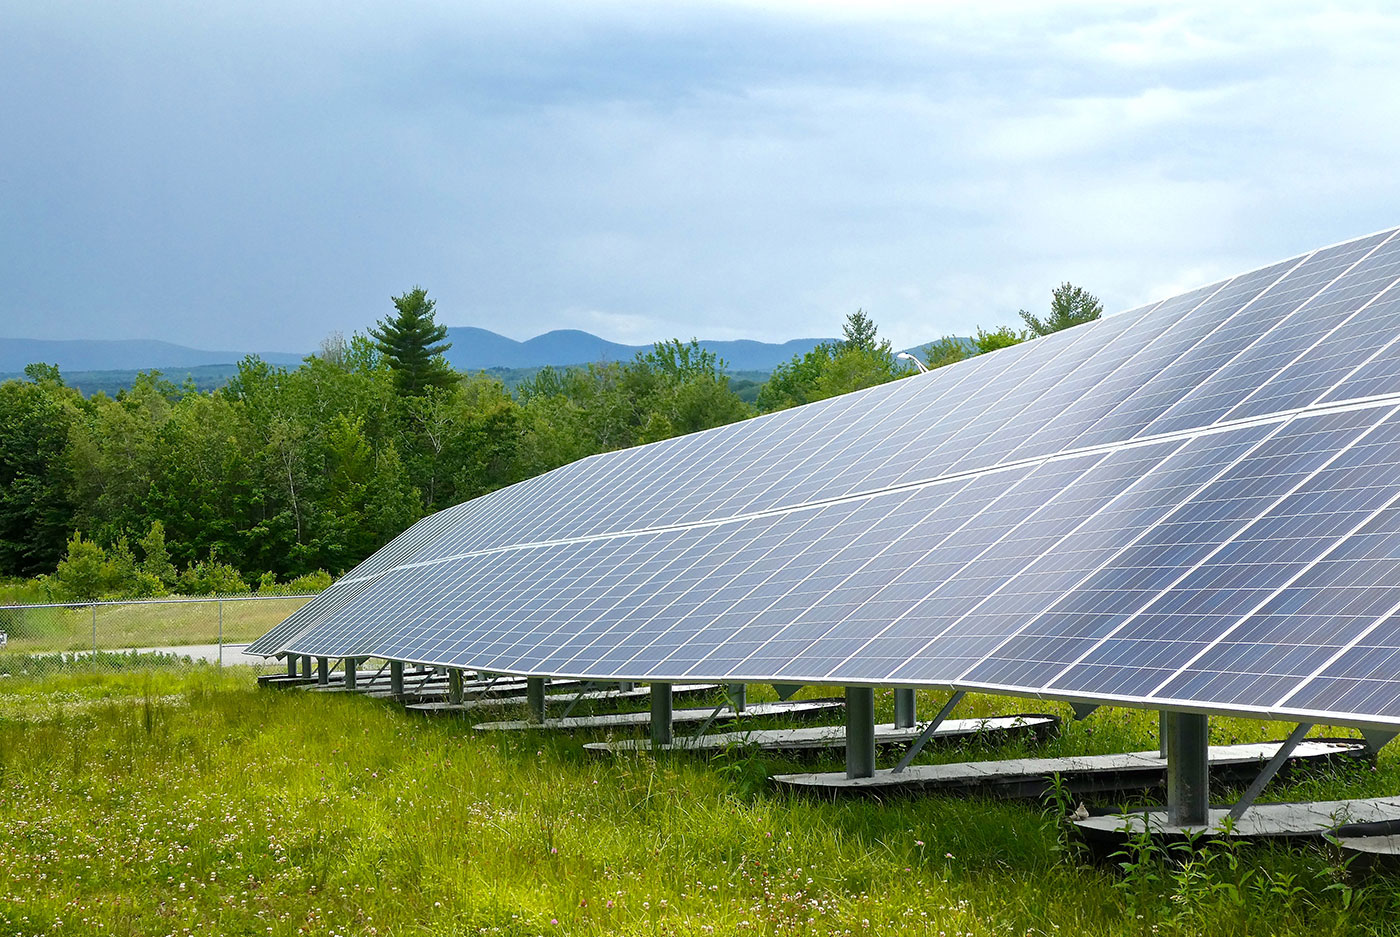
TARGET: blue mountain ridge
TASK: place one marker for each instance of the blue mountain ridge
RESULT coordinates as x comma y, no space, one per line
472,349
476,349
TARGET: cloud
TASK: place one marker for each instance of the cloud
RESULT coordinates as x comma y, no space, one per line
260,176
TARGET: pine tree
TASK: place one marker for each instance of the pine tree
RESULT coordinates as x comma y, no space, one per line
859,331
413,343
1069,305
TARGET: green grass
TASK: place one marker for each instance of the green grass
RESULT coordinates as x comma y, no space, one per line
179,802
161,624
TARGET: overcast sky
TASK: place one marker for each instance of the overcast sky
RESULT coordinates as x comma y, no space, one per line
253,176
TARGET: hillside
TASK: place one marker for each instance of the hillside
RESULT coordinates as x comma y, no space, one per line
475,349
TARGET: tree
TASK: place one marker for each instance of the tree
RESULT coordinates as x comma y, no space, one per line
946,350
413,344
36,512
833,368
1002,336
859,332
85,573
1069,305
156,561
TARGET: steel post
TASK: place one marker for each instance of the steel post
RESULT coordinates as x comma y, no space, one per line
739,696
306,666
534,695
905,708
350,665
860,732
1188,769
454,685
291,665
323,670
661,700
396,677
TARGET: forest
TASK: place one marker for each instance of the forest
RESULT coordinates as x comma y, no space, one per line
283,478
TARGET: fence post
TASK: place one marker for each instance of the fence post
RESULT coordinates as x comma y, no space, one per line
221,632
94,627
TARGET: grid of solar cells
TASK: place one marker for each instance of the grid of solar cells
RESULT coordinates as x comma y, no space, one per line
833,448
991,524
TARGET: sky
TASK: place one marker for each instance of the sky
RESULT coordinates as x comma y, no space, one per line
255,176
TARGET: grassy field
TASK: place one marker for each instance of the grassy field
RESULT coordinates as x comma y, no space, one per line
192,802
47,629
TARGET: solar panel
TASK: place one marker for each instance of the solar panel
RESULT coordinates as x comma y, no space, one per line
1191,503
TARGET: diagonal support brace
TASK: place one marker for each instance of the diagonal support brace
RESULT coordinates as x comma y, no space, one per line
1270,769
928,732
714,714
1376,739
583,688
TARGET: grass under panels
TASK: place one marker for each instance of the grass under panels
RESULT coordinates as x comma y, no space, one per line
173,803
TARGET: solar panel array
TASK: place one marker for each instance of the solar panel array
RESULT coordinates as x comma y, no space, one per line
1194,503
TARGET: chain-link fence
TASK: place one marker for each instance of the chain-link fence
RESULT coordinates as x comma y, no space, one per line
95,637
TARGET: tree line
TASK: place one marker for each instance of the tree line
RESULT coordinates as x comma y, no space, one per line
285,477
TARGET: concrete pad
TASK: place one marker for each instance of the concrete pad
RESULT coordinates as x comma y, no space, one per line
281,681
1370,847
1080,774
1312,819
507,691
554,701
791,709
833,738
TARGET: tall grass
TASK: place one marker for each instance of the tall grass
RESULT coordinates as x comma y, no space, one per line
171,803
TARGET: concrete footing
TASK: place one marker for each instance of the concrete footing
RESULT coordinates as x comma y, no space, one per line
1083,775
555,701
796,709
817,739
1314,819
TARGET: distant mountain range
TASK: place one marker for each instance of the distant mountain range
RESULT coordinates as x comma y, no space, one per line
136,354
472,349
476,349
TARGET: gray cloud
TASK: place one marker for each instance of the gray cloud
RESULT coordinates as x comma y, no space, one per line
258,177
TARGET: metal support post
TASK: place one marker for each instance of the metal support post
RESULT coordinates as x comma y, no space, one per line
905,708
323,670
1188,769
350,665
94,629
534,695
661,699
626,686
221,634
1162,734
306,666
739,696
1269,770
860,732
396,678
454,685
291,665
